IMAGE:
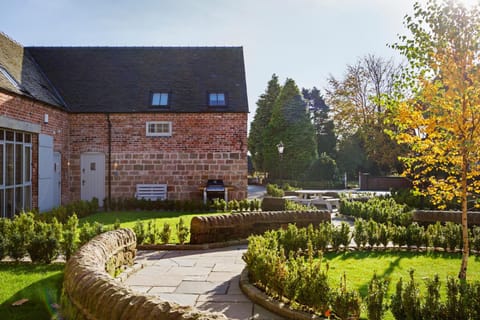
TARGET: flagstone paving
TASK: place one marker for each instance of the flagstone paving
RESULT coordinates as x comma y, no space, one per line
206,279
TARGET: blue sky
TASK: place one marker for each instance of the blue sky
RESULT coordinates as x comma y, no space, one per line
306,40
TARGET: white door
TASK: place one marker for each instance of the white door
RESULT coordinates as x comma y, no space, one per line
45,173
92,166
57,179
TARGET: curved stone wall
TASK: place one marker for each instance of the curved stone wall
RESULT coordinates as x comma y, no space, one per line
89,292
208,229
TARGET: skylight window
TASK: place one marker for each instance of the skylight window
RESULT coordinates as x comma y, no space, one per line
217,99
160,99
9,77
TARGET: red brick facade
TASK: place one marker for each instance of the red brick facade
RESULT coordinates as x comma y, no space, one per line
31,111
202,146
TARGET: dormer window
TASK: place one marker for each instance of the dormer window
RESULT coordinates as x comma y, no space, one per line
217,99
160,99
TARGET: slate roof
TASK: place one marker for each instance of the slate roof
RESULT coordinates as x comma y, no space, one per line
121,79
28,78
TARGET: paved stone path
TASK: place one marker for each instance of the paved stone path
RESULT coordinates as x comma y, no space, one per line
206,279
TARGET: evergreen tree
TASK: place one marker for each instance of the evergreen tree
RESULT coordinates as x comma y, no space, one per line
260,122
290,124
324,127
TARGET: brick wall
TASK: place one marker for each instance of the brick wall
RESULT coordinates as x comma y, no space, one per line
202,146
24,109
373,183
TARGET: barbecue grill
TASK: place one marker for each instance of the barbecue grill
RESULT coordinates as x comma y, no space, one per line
215,189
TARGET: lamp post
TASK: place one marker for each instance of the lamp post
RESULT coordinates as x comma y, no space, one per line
280,148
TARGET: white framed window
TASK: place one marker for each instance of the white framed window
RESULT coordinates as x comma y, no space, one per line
15,172
159,128
160,99
217,99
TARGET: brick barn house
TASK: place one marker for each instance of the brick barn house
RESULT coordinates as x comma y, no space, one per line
84,122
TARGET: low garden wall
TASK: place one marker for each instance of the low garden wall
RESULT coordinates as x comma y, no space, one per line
235,226
379,183
432,216
90,292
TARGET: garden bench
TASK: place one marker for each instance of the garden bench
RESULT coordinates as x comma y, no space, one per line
151,191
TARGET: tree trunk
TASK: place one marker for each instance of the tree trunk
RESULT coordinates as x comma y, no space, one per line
463,269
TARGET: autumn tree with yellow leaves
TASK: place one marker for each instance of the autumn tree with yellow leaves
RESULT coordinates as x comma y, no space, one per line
436,105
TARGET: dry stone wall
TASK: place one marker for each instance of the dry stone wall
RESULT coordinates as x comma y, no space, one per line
89,292
208,229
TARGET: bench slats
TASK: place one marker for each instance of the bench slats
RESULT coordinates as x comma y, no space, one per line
151,191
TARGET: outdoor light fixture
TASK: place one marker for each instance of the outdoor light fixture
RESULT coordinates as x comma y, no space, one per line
280,147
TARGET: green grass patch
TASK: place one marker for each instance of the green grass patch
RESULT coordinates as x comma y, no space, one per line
360,266
129,218
40,284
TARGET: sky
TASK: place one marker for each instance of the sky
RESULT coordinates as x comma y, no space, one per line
306,40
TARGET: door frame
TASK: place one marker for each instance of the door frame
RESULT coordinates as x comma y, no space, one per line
101,179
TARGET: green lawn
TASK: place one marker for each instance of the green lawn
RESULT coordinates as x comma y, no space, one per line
40,284
129,218
360,266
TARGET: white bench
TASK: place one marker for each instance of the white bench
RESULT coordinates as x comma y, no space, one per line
151,191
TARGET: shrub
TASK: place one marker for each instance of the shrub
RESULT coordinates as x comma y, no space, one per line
399,235
295,206
396,304
165,233
71,236
275,191
5,228
323,168
152,231
433,308
475,239
346,303
411,298
383,234
322,236
375,300
21,232
219,205
360,235
182,231
89,231
381,210
44,245
436,236
453,235
341,236
140,232
415,236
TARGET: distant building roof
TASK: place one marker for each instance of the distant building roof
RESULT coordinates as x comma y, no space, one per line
122,79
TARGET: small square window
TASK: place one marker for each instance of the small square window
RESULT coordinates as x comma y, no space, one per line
159,129
160,99
217,99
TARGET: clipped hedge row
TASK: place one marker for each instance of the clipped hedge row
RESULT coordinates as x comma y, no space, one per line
43,241
383,210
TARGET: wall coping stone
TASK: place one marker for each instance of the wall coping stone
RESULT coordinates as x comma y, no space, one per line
89,292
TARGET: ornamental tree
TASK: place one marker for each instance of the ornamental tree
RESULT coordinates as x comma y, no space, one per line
436,105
